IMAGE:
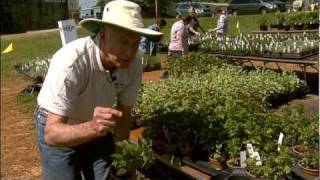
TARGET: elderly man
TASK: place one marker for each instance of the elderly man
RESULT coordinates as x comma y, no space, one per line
87,95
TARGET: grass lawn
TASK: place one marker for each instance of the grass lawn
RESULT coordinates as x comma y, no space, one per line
45,45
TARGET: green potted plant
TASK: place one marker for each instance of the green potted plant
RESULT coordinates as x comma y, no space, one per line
130,158
256,171
298,20
308,135
279,19
312,20
217,157
274,165
234,147
309,165
263,23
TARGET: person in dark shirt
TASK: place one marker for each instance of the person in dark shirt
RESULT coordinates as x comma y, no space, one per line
194,26
146,44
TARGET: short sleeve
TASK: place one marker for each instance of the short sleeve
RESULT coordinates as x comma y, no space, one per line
64,90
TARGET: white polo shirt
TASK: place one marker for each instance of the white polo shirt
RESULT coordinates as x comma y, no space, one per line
77,82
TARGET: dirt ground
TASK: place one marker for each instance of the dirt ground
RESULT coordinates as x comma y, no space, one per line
19,151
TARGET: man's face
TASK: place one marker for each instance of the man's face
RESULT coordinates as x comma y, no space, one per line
118,47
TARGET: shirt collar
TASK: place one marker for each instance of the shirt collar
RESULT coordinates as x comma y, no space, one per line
97,49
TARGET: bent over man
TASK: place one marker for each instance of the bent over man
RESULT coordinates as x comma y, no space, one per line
88,93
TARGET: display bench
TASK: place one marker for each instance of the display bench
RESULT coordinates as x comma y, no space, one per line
303,63
283,31
201,170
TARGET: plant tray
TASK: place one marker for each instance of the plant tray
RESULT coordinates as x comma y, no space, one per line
238,175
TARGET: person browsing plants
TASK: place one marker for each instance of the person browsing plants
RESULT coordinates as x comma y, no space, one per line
147,45
88,92
179,37
194,25
222,25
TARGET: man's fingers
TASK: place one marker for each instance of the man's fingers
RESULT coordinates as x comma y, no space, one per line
105,116
110,111
106,123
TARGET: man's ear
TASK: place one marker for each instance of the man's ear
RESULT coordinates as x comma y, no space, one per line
102,32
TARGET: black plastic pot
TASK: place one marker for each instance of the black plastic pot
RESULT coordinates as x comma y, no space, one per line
313,26
298,26
113,175
263,28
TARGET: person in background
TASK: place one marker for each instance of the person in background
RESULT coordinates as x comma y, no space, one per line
222,25
194,26
179,37
147,45
85,102
178,44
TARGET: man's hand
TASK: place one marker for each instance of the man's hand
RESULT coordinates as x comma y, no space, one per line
104,119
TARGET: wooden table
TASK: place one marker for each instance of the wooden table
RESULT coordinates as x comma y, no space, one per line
283,31
303,63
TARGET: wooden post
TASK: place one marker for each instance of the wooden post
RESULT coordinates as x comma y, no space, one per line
156,3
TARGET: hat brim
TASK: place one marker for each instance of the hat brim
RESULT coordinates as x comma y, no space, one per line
94,25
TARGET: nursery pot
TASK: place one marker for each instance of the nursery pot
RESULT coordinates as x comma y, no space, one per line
216,164
298,27
280,26
297,150
253,176
263,28
234,168
307,171
286,28
313,26
113,175
230,165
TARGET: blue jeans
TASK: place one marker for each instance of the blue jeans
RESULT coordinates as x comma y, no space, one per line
88,161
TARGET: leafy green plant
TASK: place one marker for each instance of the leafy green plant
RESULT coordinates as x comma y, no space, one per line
219,154
312,160
274,165
234,148
263,21
132,157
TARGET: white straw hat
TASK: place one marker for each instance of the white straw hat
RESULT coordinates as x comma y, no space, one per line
122,14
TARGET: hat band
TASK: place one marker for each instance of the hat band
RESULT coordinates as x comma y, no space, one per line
134,23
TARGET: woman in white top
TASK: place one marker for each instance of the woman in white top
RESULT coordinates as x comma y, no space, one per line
222,25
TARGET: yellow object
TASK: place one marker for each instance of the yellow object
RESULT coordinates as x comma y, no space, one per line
8,49
313,7
238,26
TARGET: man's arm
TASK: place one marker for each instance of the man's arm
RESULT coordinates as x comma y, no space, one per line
58,133
193,31
124,124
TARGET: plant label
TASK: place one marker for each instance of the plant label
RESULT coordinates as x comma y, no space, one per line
281,136
256,157
280,140
67,31
243,158
250,150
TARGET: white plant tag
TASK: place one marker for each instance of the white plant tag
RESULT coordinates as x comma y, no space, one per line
250,150
243,158
281,136
256,157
